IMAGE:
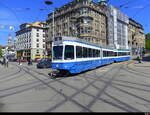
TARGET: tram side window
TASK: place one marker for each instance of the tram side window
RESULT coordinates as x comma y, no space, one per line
85,52
119,53
109,53
104,53
112,53
97,53
90,52
79,52
69,52
94,53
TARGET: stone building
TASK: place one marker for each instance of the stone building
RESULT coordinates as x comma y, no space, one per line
136,37
80,18
30,41
117,28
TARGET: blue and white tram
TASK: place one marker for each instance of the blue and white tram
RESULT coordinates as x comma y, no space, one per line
73,56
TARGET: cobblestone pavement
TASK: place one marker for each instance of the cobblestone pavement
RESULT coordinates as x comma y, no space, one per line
118,87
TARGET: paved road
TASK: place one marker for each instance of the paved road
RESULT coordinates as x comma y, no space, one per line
119,87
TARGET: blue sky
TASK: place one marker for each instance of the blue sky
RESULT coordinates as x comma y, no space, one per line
14,13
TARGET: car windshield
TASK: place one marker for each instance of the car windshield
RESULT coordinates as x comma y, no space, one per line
57,52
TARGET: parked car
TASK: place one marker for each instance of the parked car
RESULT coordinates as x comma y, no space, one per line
44,63
21,60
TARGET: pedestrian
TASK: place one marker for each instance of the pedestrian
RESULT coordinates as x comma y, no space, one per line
19,62
139,58
29,62
6,62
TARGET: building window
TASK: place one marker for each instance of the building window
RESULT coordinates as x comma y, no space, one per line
86,20
43,45
37,51
37,40
84,11
37,45
37,35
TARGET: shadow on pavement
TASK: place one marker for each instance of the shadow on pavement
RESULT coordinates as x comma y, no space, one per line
1,106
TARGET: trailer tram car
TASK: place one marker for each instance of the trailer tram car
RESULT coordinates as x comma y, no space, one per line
71,55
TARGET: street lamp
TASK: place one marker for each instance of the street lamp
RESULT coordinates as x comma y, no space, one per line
50,3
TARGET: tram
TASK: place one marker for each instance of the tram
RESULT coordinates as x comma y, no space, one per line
72,55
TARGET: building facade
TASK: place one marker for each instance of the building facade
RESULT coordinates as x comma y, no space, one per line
136,37
30,41
117,28
80,18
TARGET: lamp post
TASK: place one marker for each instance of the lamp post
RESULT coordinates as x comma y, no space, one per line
50,3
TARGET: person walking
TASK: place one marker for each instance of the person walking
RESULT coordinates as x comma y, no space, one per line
139,58
6,62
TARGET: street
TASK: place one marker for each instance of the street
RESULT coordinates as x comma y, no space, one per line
118,87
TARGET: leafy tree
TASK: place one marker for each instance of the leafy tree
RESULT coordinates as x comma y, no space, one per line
147,36
0,52
147,44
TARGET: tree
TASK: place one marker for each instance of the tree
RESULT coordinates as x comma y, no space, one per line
147,41
0,52
147,44
147,36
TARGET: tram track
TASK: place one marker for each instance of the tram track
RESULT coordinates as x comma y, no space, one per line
127,107
84,88
107,84
121,105
10,75
23,87
136,72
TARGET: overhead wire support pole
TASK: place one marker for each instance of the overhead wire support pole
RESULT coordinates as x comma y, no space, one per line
50,3
53,24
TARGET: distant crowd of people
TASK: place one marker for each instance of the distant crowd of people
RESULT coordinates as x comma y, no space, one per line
4,61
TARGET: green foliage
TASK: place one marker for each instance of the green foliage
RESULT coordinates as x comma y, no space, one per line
147,44
0,52
147,36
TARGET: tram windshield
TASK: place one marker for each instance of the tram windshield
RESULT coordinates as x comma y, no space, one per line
57,52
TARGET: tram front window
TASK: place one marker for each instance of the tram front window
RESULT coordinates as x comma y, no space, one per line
69,52
57,52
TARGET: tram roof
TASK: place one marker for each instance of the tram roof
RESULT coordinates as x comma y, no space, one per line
76,39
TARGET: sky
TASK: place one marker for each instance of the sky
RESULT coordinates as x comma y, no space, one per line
16,12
